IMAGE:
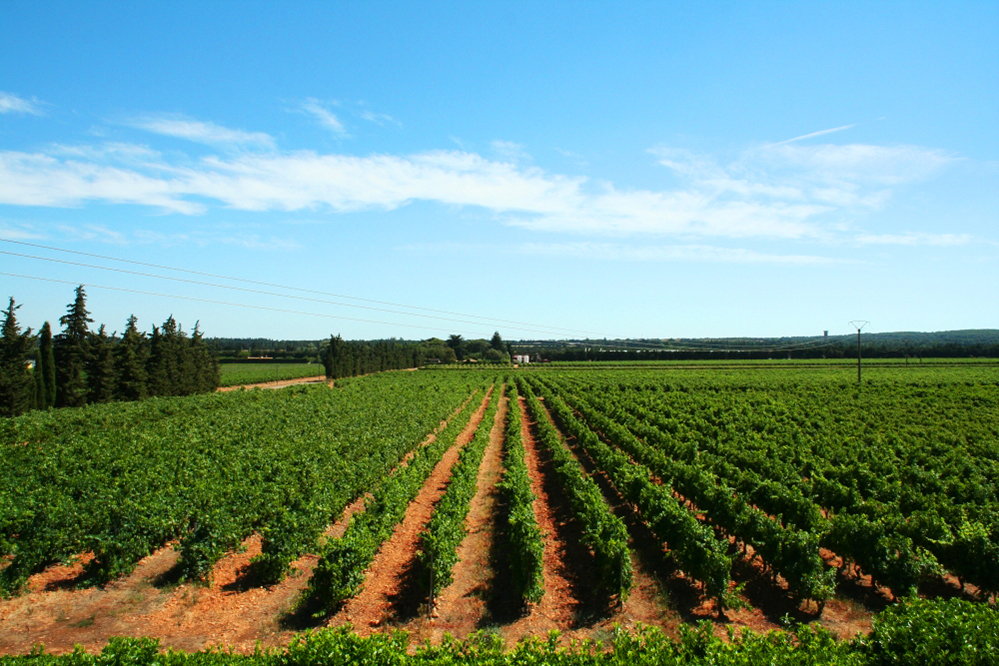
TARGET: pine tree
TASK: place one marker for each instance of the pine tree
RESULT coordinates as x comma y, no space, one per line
131,355
39,382
16,385
166,356
338,359
457,343
101,380
46,364
207,374
72,351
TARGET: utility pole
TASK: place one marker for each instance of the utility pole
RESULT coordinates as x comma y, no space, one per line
858,324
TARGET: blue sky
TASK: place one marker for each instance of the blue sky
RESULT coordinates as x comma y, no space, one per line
547,170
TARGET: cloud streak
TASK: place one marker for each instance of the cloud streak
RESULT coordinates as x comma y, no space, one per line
11,103
669,253
202,132
771,191
814,134
379,118
913,239
326,118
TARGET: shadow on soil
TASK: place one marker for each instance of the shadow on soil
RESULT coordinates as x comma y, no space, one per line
766,594
502,606
412,596
303,615
247,578
172,577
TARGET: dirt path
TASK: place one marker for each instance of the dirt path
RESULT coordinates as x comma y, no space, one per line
276,384
386,596
56,615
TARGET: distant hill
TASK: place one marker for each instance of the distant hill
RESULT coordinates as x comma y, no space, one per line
941,344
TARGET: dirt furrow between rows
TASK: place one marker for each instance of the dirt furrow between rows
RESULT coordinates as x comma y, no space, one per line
388,592
566,560
463,607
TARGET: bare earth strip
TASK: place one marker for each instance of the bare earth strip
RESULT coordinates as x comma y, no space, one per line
276,384
564,557
386,579
462,606
232,611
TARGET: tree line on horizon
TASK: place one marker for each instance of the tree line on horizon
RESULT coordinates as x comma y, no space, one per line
79,366
349,358
944,344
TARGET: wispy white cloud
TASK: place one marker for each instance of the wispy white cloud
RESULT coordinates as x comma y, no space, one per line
915,238
326,118
860,165
94,232
379,118
814,134
19,231
782,191
205,237
201,132
127,152
615,252
575,157
510,151
34,179
669,253
257,242
798,185
11,103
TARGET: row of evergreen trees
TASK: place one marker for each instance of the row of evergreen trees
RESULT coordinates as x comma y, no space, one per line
79,366
349,358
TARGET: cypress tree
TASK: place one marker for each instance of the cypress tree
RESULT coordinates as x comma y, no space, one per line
101,380
154,364
16,385
39,382
186,381
207,373
46,361
338,359
166,356
72,351
131,355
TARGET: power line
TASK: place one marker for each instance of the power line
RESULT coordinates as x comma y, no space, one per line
248,290
490,320
215,302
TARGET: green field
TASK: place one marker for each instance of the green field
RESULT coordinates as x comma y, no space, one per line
723,464
236,374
